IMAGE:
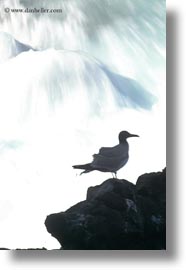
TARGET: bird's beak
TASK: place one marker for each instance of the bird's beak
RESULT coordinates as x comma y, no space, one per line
133,135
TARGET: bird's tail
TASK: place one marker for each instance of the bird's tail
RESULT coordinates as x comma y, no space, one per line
86,167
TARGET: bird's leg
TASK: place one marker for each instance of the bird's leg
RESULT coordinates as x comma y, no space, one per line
114,174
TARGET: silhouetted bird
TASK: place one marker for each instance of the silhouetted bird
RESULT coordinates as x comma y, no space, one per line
110,159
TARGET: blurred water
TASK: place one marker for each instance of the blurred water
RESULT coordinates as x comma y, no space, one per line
70,82
127,35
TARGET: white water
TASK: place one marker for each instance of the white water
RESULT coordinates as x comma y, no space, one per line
60,104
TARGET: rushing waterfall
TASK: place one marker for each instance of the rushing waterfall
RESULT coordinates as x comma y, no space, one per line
71,79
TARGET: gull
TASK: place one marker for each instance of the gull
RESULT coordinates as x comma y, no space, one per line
109,159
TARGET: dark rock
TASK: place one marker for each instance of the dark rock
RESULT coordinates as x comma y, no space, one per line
24,249
31,248
116,215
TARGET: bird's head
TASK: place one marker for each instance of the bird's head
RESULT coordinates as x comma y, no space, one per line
123,135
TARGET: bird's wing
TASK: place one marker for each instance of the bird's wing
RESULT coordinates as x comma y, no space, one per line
110,164
110,151
110,158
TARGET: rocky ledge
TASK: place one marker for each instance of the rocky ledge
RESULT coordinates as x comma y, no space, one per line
116,215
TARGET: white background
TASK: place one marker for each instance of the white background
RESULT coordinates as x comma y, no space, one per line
174,257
